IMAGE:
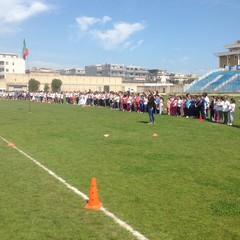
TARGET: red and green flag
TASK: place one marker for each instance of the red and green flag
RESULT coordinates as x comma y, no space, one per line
24,50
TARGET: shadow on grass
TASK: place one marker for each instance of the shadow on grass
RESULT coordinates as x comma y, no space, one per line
145,122
234,125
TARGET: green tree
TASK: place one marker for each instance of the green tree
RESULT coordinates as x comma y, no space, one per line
33,85
46,87
56,85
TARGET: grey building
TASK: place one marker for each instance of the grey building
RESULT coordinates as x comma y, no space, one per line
73,72
128,73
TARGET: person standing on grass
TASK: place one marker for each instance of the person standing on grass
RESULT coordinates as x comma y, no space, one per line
207,101
161,105
168,108
231,111
225,109
157,104
219,109
187,106
151,107
211,107
201,107
179,106
124,101
137,103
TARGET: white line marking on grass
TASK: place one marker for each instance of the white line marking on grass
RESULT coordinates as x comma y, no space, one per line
135,233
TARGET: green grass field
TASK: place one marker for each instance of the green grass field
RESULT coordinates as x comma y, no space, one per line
182,184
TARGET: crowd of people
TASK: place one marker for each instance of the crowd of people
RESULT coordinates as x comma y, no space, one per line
218,109
124,101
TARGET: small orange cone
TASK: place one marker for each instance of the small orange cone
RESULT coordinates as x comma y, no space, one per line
93,202
200,117
10,144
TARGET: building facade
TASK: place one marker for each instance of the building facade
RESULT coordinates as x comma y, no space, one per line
19,82
113,70
93,70
182,79
100,77
230,57
10,63
128,73
136,74
158,75
73,71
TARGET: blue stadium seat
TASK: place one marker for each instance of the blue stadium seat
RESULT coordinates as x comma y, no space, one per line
214,83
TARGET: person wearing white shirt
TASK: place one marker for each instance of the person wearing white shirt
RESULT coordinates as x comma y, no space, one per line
225,109
220,109
231,111
207,102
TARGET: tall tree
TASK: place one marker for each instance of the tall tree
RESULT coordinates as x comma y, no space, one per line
56,85
33,85
46,87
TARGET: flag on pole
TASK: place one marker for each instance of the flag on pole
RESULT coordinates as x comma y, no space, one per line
24,50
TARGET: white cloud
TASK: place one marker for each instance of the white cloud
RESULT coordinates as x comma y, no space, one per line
138,44
109,38
15,11
128,44
84,22
18,10
119,34
106,19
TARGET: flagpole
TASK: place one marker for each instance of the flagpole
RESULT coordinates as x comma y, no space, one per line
25,57
29,101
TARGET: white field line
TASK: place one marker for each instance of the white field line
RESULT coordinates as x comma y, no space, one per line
135,233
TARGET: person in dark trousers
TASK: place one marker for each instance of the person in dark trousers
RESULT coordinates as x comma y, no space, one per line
151,107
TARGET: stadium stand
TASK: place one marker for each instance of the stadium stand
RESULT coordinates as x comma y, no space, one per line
219,80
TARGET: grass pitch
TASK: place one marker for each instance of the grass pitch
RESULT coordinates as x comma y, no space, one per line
181,184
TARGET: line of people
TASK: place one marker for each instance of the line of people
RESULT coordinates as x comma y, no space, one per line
217,109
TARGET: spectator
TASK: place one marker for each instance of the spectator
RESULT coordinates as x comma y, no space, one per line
225,109
231,111
151,108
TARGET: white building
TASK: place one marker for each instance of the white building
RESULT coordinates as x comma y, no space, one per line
181,78
73,72
128,73
115,70
10,63
159,76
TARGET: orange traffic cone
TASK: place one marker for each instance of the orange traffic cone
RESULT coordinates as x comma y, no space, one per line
93,202
200,117
10,144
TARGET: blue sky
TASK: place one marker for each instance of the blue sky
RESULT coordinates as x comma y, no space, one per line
176,35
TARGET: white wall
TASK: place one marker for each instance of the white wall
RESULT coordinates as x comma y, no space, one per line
13,63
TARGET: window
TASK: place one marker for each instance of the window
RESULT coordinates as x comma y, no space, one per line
6,63
6,70
1,62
